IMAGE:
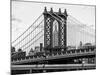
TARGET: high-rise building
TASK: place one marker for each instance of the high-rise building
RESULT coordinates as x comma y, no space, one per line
55,33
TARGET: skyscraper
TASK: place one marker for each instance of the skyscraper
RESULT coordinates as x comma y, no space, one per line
55,33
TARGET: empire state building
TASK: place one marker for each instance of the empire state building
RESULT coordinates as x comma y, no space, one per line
55,33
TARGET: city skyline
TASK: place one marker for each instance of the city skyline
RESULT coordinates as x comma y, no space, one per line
23,15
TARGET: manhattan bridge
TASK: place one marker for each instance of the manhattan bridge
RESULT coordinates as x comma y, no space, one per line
43,46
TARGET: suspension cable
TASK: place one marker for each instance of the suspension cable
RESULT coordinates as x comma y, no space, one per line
32,39
27,28
58,16
54,17
76,23
33,42
75,19
29,33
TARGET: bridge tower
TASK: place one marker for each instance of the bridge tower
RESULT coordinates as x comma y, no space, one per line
55,30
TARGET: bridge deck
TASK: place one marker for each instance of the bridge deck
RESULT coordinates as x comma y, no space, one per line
62,66
54,57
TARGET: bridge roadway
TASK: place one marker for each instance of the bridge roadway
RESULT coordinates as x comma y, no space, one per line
18,69
53,66
66,55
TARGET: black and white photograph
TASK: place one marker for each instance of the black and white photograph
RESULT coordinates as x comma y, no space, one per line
52,37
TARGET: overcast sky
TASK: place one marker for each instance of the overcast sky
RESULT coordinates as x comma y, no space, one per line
25,13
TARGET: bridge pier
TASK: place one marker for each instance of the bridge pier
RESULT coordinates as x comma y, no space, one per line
44,71
30,71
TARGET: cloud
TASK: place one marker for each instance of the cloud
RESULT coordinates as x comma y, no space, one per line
13,18
16,19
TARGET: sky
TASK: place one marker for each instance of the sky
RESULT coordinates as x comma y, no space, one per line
25,13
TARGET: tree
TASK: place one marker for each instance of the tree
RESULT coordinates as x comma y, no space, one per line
19,50
88,44
80,43
12,49
31,50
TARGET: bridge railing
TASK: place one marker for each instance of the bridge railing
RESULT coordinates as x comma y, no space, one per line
69,52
